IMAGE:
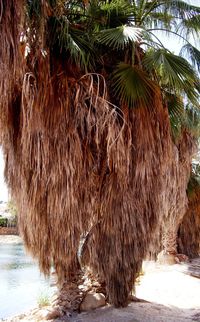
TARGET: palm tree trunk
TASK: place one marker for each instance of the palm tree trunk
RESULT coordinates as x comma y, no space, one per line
170,240
70,294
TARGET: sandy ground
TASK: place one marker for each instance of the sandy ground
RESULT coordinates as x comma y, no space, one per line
173,296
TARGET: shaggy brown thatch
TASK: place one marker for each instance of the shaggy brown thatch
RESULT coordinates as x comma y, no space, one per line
175,196
189,231
131,204
76,166
80,168
10,65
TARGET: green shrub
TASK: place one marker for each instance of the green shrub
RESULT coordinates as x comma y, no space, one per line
43,300
3,222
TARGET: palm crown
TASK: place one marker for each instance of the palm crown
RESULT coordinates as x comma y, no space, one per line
120,40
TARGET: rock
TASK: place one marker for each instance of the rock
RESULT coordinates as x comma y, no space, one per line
54,314
42,314
181,258
166,259
92,301
49,313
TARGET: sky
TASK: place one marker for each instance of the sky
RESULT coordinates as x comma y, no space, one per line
171,43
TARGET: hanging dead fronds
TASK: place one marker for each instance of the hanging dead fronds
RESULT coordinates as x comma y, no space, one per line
80,168
76,164
189,230
11,64
175,197
131,201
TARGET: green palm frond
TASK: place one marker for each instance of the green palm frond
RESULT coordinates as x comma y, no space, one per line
192,119
192,53
179,9
176,16
132,85
176,112
175,105
64,37
190,26
159,20
174,72
77,53
182,116
109,14
120,37
119,9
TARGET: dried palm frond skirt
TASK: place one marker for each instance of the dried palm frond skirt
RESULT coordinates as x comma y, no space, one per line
78,166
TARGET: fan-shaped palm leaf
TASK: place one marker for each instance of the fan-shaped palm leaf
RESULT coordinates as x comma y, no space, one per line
178,8
159,20
132,85
190,26
174,71
192,119
193,53
65,37
120,37
176,112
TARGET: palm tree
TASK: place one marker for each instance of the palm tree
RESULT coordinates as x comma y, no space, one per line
184,150
185,134
87,93
188,234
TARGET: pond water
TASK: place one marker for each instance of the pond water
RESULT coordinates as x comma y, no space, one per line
21,284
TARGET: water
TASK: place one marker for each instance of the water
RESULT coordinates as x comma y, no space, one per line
21,284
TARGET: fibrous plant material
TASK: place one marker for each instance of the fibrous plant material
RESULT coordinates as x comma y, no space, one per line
11,66
79,165
81,169
130,211
189,230
87,156
177,197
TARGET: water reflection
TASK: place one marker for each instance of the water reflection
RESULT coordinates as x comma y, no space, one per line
21,283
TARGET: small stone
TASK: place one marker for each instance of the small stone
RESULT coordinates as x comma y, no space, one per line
54,314
43,313
166,259
92,301
49,313
181,258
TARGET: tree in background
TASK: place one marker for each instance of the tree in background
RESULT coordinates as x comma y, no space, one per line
87,93
188,234
185,130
